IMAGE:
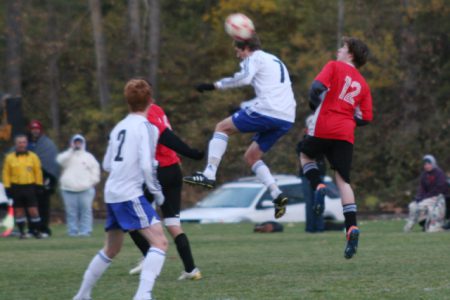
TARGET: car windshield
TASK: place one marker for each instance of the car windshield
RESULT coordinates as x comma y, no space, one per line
230,197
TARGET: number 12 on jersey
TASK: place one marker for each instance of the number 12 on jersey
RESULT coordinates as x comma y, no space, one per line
349,97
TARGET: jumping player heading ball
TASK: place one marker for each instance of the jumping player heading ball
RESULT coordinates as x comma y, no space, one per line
269,115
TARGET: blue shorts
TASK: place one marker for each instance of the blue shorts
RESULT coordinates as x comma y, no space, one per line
268,130
130,215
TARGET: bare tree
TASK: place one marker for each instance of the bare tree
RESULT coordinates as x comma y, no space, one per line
154,40
100,52
340,24
53,70
13,47
134,38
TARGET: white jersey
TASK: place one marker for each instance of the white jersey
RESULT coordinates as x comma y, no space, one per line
270,79
130,159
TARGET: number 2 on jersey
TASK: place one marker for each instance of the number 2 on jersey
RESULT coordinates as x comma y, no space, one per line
121,138
350,97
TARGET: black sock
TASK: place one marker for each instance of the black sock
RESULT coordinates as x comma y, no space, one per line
350,216
35,224
184,250
20,222
140,242
311,171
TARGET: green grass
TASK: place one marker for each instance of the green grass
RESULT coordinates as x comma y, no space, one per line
239,264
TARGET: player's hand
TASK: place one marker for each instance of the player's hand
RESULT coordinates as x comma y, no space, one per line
201,87
158,197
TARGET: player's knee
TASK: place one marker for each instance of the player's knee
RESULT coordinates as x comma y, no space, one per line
161,243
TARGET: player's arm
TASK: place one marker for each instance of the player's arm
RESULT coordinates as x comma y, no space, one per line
363,112
147,161
106,163
241,78
169,139
320,85
317,93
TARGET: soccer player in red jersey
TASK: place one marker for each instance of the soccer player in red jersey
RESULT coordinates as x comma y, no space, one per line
170,177
341,100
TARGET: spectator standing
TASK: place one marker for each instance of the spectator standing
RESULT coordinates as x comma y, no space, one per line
46,150
80,174
314,222
429,203
22,178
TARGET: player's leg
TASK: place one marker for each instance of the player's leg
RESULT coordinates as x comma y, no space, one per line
269,131
170,178
100,263
29,195
154,260
216,149
312,147
341,161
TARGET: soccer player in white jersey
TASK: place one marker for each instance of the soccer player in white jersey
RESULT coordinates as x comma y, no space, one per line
130,161
270,115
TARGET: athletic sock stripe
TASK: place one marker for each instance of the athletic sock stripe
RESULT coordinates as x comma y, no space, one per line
157,251
35,219
21,220
104,257
349,208
310,166
220,136
257,164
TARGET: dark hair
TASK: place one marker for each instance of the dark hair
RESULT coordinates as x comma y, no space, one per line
252,43
358,49
138,94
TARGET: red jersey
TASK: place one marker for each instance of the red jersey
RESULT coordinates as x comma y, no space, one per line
164,155
348,95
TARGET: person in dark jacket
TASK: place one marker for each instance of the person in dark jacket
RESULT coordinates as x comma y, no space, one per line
46,150
429,203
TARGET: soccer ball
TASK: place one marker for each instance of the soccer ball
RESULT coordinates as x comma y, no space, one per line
239,27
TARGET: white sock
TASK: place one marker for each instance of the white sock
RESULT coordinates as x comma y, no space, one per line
216,149
153,263
262,172
96,268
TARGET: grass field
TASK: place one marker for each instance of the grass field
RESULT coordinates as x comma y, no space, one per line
239,264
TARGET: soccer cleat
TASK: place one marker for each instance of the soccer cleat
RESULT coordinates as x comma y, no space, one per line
199,179
318,206
352,242
280,205
138,268
193,275
81,298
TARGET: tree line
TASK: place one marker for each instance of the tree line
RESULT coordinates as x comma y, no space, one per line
69,60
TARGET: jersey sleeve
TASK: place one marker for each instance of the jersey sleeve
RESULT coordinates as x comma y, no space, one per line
156,116
106,163
325,76
241,78
147,161
364,110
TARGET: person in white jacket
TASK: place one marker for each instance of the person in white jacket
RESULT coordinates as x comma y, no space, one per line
80,174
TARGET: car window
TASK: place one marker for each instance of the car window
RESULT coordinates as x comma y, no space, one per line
230,197
293,191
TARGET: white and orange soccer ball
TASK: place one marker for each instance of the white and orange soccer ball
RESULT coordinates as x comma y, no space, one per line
239,27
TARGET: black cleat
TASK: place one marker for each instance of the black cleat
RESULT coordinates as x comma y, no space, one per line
280,205
199,179
352,242
318,206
